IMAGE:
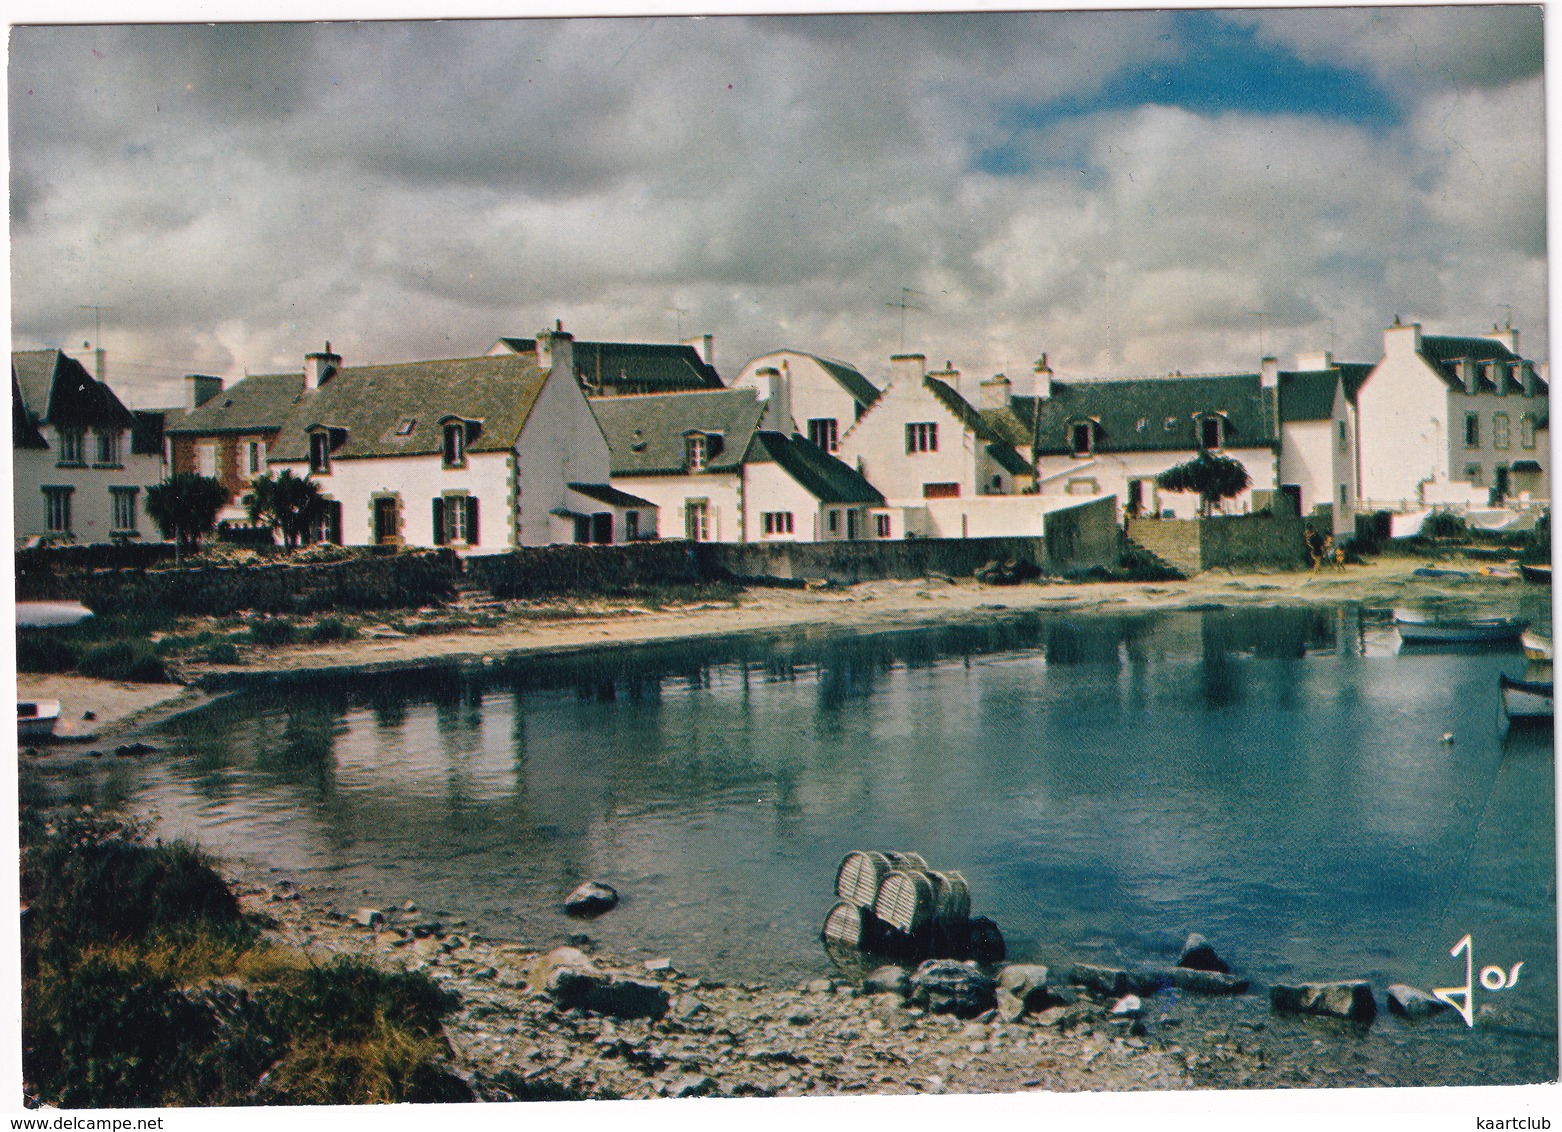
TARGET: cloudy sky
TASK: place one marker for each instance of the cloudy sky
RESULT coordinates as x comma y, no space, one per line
1122,190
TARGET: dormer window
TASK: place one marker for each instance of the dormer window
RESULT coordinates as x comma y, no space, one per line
1211,432
1081,436
455,444
320,452
696,451
108,448
71,446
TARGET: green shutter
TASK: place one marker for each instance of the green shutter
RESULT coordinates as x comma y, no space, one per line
471,520
439,521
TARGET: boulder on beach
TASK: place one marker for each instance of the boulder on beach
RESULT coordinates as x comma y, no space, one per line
888,980
1129,1004
591,899
1196,981
602,993
1027,983
1351,1000
945,986
1198,955
983,940
1412,1002
369,917
560,957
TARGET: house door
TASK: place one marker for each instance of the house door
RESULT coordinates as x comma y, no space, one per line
602,527
582,528
1500,484
851,524
385,520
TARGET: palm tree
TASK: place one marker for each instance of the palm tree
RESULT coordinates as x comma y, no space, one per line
1213,476
286,503
184,507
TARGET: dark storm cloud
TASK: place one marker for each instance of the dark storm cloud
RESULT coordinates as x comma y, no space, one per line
238,194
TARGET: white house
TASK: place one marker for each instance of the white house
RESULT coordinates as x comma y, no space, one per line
1318,435
803,393
80,460
716,476
921,440
1452,420
1116,437
483,454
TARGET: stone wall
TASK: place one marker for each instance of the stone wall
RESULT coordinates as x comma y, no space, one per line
363,582
537,571
1271,539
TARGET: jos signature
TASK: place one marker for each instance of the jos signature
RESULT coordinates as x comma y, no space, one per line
1492,978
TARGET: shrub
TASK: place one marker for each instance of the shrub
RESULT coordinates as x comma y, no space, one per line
42,650
331,629
1443,524
272,631
123,660
223,652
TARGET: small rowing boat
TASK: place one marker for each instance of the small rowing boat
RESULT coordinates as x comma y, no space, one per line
1417,629
35,719
1525,700
50,614
1438,572
1537,646
1538,574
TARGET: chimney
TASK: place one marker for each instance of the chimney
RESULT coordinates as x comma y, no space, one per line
556,349
100,363
201,389
321,367
1467,374
1318,360
1497,374
1402,338
908,367
1043,374
1269,373
949,376
1508,336
705,346
778,400
994,393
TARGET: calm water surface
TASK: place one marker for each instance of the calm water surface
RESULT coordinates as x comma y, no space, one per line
1275,779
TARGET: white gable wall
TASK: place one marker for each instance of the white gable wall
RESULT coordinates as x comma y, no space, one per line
722,491
814,393
561,443
1403,421
876,445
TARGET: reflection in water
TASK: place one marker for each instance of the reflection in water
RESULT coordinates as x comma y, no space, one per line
1273,778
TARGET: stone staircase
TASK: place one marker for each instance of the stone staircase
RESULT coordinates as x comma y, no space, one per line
1170,544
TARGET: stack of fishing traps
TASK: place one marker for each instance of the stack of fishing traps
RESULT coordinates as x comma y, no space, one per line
894,904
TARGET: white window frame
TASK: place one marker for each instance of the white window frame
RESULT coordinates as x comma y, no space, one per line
57,509
320,452
107,448
1527,430
206,460
123,507
921,436
696,449
72,447
1501,432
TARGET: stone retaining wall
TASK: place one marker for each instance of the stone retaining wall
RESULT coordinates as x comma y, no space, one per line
1266,538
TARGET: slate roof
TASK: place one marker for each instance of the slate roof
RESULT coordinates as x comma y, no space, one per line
1152,414
1308,395
372,402
822,475
634,367
151,425
605,493
1442,353
847,376
258,403
998,446
24,433
56,389
1007,424
645,433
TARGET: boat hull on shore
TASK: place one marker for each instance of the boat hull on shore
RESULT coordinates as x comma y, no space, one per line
1415,629
1526,701
35,719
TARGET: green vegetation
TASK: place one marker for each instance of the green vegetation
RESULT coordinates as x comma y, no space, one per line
185,506
331,629
270,631
145,985
286,503
1213,476
109,646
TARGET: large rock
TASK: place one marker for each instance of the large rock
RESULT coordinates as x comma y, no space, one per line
1412,1002
591,899
604,993
370,918
944,986
1114,982
983,940
888,980
1198,955
560,957
1352,1000
1027,983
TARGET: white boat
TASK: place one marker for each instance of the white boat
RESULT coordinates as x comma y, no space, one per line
50,614
35,719
1415,628
1537,646
1525,700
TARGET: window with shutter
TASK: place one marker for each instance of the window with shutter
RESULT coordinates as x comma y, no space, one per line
439,522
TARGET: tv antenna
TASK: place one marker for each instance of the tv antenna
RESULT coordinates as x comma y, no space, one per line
906,304
1260,316
97,321
678,313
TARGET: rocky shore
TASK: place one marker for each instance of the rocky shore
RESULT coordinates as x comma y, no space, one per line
569,1022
